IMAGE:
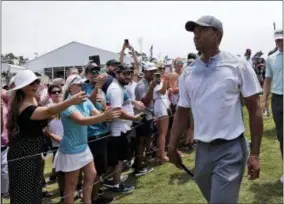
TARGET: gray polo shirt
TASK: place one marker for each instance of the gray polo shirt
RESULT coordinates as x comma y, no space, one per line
141,90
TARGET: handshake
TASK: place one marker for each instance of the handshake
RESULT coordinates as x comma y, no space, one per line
112,113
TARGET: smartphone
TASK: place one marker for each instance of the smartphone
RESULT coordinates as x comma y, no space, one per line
116,108
95,59
126,42
158,77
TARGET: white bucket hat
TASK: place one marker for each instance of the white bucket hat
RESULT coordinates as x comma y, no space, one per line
23,79
12,81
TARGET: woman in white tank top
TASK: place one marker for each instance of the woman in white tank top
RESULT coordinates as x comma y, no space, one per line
161,107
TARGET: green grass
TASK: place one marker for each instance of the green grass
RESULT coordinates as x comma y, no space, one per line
167,184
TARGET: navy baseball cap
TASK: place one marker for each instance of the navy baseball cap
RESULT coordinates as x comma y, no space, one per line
93,68
112,62
205,21
124,68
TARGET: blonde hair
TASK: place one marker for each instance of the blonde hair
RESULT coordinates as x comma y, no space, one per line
65,92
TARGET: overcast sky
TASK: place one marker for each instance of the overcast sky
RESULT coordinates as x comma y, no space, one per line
29,27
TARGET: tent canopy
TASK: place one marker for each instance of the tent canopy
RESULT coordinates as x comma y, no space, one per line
11,67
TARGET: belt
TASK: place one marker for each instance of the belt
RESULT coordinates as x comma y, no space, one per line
3,148
223,141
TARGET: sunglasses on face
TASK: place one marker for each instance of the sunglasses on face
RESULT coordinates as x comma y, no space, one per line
37,81
56,92
127,73
95,72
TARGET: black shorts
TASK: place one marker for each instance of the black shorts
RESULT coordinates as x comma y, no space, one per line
118,149
98,148
145,129
54,151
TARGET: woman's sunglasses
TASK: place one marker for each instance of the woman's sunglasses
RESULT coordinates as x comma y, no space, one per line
37,81
56,92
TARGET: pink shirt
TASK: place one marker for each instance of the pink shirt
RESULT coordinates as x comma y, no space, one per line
4,136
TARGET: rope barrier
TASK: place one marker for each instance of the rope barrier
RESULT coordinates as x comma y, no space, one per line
51,151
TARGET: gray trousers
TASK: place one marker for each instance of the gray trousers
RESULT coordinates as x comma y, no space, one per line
219,169
277,111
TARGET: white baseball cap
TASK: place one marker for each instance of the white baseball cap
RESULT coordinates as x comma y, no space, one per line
149,66
75,79
278,34
23,79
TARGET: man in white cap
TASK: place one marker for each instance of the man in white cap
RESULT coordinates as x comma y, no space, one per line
211,88
274,83
145,130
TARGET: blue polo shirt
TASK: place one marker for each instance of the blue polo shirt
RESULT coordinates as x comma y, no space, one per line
88,88
75,139
97,129
274,70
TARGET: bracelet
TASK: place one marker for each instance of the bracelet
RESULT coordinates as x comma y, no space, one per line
253,156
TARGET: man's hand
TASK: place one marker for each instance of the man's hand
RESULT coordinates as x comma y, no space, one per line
253,167
130,47
153,84
124,46
174,157
101,80
265,104
139,105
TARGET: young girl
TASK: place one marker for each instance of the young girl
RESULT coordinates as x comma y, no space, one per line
55,132
74,154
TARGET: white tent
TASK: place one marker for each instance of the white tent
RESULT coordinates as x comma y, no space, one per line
73,54
11,67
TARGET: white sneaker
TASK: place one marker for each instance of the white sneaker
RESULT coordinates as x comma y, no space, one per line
281,179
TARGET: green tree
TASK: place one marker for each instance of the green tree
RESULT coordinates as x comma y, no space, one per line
22,60
10,58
